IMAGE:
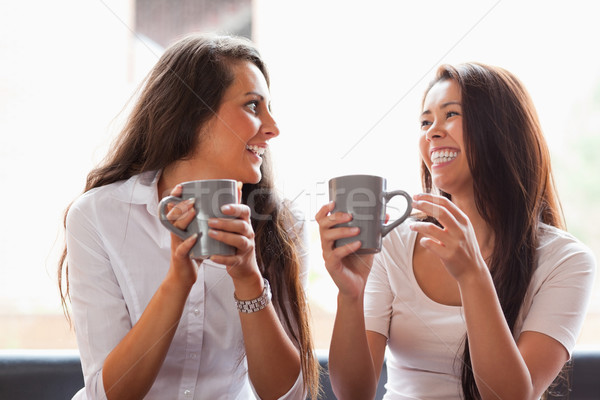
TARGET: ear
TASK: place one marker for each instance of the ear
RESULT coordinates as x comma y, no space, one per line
239,191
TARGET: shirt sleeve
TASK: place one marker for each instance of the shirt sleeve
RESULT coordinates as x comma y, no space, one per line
99,311
562,295
378,297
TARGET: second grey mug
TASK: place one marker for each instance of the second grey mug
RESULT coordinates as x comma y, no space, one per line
211,195
365,197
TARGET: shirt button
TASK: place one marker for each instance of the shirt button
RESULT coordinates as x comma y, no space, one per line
196,311
193,356
187,392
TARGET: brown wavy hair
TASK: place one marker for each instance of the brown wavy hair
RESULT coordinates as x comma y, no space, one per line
179,96
512,180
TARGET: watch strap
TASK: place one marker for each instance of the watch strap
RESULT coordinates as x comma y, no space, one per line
250,306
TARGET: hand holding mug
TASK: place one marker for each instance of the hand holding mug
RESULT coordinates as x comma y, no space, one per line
207,198
352,226
365,197
348,270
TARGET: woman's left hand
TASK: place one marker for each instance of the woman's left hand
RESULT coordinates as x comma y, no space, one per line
455,243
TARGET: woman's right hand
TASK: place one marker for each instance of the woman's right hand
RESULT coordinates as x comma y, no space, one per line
183,269
349,271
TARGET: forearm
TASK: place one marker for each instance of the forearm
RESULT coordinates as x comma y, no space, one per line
132,366
499,368
351,369
273,360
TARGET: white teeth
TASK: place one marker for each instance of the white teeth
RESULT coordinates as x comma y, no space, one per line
438,157
259,151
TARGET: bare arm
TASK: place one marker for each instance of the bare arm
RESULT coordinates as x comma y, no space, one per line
351,367
273,360
355,356
527,367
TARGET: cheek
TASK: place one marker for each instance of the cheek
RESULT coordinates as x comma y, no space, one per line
424,149
244,127
456,132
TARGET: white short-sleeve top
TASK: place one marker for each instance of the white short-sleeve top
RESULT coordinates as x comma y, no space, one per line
426,338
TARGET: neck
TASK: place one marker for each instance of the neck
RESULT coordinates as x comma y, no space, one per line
483,232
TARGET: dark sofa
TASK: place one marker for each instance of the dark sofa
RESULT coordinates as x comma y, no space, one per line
56,375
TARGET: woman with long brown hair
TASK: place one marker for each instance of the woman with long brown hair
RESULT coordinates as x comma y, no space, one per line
484,295
150,322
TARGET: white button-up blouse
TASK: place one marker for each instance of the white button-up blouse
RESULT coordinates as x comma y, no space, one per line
118,255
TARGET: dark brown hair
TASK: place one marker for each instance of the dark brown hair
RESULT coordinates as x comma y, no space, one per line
179,96
512,180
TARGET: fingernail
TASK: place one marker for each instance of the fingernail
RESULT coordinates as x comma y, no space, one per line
213,222
226,207
191,200
212,232
355,229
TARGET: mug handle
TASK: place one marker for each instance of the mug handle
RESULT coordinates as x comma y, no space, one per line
385,229
162,207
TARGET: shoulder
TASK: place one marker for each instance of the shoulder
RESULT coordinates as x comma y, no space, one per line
139,189
91,201
561,256
558,247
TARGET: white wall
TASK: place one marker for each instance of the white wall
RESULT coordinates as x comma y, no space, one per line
348,77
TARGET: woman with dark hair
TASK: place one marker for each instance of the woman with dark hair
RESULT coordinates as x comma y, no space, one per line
150,322
484,295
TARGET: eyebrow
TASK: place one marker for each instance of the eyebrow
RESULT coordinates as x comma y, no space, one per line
260,96
255,94
449,103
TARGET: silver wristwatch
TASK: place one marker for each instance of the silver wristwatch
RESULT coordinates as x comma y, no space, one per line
250,306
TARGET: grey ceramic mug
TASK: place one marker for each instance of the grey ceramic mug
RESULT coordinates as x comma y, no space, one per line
365,197
210,196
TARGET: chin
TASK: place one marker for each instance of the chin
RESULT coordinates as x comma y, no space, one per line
253,179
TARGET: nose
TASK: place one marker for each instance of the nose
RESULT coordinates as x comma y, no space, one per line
435,131
269,126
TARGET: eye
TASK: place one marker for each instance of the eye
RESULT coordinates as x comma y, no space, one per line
451,114
253,106
425,123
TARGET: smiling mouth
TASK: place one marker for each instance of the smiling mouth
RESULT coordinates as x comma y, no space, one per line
259,151
443,156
